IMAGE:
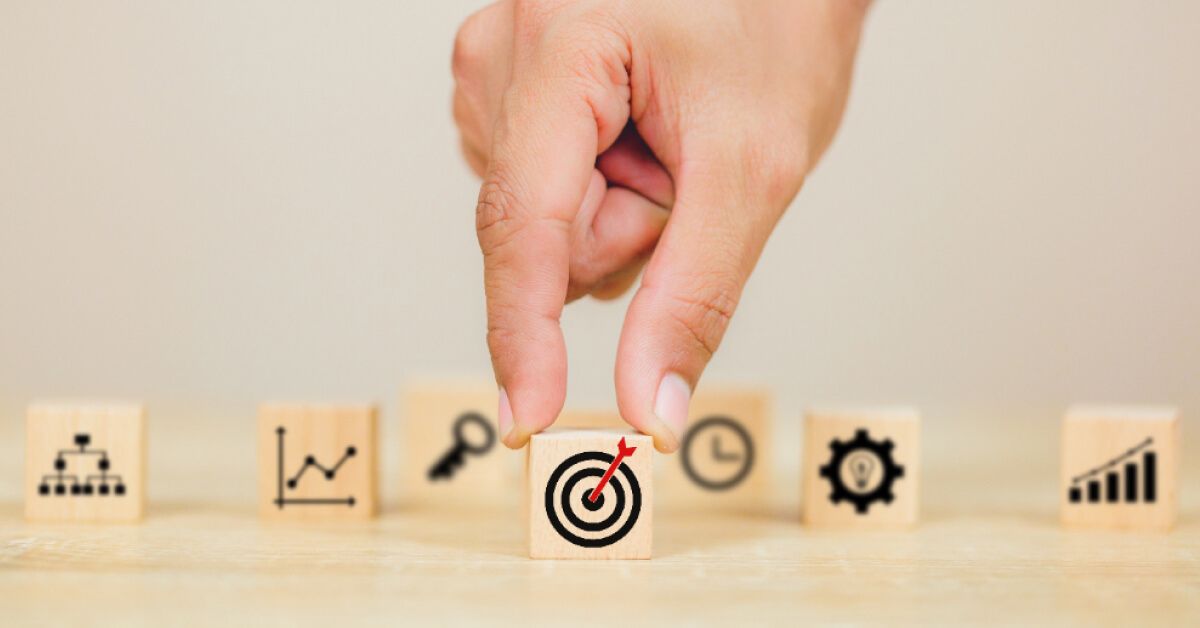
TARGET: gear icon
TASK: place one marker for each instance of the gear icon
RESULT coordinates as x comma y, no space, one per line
889,471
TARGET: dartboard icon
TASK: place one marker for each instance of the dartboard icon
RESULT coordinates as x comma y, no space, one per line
588,522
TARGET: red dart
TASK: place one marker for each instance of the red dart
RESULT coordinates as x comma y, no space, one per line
622,452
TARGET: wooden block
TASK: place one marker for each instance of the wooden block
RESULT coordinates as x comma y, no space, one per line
438,415
564,467
723,462
590,419
861,467
1120,467
318,461
85,462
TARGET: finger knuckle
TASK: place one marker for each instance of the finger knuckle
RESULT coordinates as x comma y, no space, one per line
703,313
784,162
460,109
577,290
502,217
590,50
500,336
775,169
468,48
535,14
781,171
585,272
497,208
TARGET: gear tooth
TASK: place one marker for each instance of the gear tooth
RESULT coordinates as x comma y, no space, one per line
862,442
882,449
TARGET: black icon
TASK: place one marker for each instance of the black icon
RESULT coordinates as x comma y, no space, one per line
1112,479
453,459
105,483
729,445
329,473
870,468
581,528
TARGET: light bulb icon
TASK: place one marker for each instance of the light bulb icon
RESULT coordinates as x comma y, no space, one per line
862,471
861,466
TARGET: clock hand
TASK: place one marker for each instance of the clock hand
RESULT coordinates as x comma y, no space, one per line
717,455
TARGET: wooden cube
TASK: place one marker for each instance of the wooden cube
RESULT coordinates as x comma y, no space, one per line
723,462
861,467
437,417
590,419
317,461
590,494
85,462
1120,467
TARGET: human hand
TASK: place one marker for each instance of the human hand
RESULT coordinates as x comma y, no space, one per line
609,133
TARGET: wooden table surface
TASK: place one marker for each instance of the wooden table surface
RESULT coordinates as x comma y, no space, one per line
988,549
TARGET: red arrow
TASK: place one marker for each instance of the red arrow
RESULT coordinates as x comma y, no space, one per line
622,452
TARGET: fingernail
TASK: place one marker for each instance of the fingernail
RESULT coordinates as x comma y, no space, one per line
504,414
671,404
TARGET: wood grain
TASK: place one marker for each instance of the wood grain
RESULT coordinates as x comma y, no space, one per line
988,549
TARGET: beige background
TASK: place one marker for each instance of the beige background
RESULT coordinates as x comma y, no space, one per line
209,204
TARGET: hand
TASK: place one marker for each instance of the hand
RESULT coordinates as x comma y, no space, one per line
611,133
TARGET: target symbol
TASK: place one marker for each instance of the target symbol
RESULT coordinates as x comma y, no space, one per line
587,517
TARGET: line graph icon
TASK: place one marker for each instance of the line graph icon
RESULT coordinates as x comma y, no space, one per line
1103,483
82,483
292,483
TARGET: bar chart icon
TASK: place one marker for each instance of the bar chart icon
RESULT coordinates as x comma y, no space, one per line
1131,478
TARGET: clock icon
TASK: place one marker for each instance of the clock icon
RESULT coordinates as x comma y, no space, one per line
717,453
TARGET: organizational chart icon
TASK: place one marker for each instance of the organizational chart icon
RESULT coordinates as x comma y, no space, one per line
82,478
85,461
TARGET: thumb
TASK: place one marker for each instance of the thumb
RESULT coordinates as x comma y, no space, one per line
551,126
691,287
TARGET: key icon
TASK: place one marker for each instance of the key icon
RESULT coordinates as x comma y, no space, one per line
453,459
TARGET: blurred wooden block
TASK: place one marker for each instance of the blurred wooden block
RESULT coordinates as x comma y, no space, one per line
85,462
861,467
437,417
1120,467
318,461
590,419
723,462
564,467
